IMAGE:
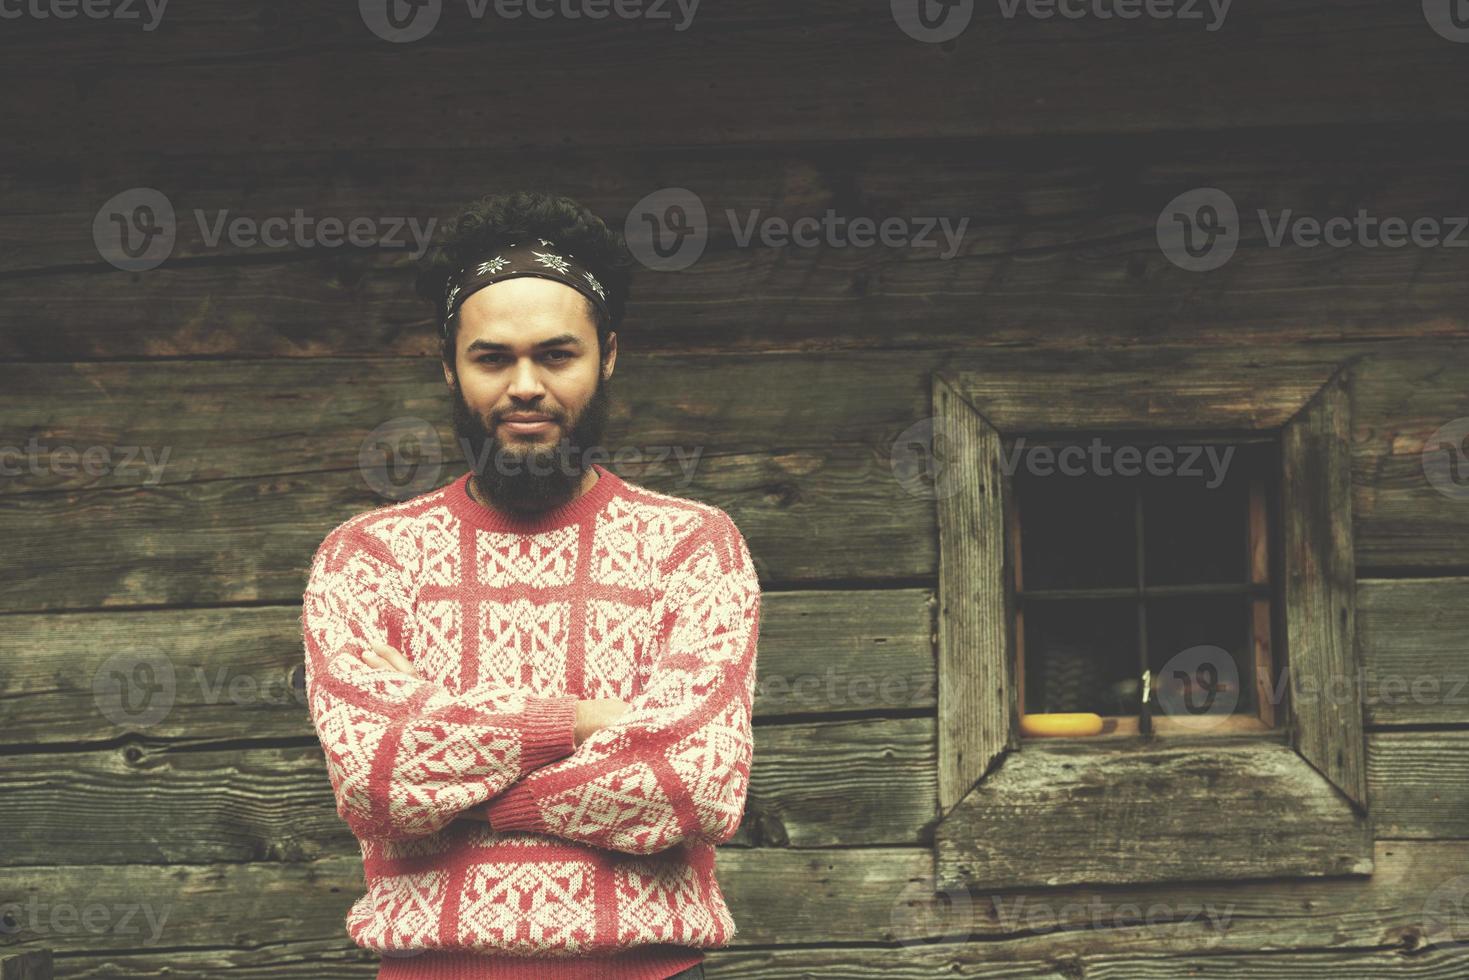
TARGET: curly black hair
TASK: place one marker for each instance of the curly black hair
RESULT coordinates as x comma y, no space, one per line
499,219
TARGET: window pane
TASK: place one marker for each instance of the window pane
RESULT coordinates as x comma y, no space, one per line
1076,531
1202,680
1194,533
1081,655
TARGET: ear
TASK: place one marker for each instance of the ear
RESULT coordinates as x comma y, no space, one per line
610,358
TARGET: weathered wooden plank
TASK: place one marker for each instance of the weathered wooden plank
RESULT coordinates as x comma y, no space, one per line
1419,784
1320,592
820,784
958,463
820,651
76,677
258,920
1210,808
1400,403
36,965
315,84
783,896
1414,637
808,516
1058,250
1161,388
813,785
828,507
1052,957
669,417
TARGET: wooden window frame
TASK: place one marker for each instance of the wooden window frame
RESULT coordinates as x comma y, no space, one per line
1290,802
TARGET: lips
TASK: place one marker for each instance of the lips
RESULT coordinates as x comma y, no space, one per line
526,423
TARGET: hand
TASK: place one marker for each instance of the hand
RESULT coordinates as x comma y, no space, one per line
595,715
384,657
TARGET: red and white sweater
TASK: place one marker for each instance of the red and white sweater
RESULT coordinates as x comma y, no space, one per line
492,846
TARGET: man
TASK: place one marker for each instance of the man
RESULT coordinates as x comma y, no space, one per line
533,686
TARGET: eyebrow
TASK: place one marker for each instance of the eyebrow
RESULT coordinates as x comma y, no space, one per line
562,340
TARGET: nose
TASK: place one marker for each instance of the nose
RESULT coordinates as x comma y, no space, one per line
525,382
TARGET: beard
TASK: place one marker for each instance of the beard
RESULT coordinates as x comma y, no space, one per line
526,477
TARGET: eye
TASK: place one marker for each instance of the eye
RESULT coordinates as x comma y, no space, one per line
563,353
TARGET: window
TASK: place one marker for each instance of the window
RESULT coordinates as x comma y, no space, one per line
1283,799
1142,566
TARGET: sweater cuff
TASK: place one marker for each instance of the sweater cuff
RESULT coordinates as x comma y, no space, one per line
549,725
514,809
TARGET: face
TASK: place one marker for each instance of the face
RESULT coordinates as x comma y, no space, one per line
528,347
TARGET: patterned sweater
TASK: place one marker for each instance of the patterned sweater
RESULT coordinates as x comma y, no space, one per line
492,846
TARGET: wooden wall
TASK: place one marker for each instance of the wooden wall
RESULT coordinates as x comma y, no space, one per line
205,844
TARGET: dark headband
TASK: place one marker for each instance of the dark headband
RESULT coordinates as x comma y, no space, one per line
536,258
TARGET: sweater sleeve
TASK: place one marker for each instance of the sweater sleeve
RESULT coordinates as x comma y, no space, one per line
675,766
405,755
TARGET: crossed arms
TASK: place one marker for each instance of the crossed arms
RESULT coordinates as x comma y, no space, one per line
407,756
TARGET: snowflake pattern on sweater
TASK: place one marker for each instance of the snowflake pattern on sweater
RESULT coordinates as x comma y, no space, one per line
484,829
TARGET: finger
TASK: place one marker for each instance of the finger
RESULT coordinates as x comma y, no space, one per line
395,659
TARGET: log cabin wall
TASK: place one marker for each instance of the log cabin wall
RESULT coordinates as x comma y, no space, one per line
190,831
